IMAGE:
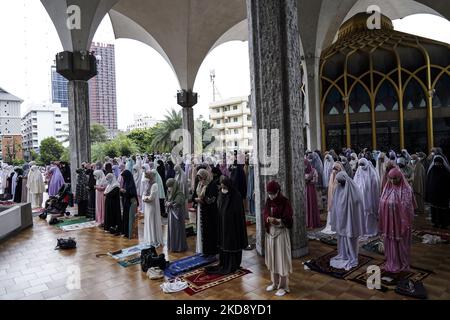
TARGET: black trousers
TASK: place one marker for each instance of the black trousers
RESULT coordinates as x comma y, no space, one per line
162,207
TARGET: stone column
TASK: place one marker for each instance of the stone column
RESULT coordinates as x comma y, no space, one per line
187,99
276,105
78,67
313,102
79,126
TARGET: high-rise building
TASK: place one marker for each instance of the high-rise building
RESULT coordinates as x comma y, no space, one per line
59,88
102,88
10,126
233,121
44,121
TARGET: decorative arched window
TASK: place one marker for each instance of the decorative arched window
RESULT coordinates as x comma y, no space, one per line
441,113
387,117
334,117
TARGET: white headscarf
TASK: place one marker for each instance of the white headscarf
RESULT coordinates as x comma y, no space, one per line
137,176
100,179
327,169
111,183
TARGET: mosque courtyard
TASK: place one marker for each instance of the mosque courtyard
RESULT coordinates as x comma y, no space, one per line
30,268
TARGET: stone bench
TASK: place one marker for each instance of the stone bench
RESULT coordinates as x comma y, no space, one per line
14,219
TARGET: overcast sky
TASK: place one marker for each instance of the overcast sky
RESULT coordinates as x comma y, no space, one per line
145,82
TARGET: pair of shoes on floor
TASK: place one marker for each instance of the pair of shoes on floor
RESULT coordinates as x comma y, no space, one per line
279,293
155,273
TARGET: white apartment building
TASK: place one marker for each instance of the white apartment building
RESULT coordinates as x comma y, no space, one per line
44,121
10,123
142,121
233,121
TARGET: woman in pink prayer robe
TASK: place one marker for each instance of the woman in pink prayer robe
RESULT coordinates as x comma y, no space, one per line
396,214
312,209
100,186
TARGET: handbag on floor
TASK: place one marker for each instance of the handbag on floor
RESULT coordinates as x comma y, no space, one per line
415,289
151,259
65,244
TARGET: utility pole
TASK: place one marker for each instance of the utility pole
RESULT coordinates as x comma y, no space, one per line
212,75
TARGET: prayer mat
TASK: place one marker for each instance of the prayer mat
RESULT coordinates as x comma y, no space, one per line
187,264
250,220
70,221
130,261
199,280
389,280
7,203
330,240
190,230
322,265
375,246
127,252
79,226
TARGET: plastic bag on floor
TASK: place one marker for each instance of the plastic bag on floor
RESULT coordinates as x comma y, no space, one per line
173,286
431,239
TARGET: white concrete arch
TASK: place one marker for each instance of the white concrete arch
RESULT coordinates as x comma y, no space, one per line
185,30
125,28
91,14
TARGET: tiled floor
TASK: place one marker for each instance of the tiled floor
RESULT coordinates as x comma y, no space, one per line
30,268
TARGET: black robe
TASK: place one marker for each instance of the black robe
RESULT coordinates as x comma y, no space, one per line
237,176
130,193
208,217
18,194
82,194
162,173
113,214
438,195
91,196
232,230
8,189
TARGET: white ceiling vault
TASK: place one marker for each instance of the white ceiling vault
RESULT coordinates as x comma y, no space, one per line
185,31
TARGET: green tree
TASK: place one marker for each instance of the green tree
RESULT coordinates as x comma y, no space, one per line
125,146
162,139
97,152
143,139
34,155
51,150
206,126
66,155
119,146
98,133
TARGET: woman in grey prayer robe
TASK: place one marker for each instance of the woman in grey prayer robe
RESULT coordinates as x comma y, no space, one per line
366,178
419,179
176,236
180,177
347,220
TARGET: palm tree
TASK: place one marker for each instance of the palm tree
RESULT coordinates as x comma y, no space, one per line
162,138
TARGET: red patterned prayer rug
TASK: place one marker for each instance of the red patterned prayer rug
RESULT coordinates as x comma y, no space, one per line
198,280
322,265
